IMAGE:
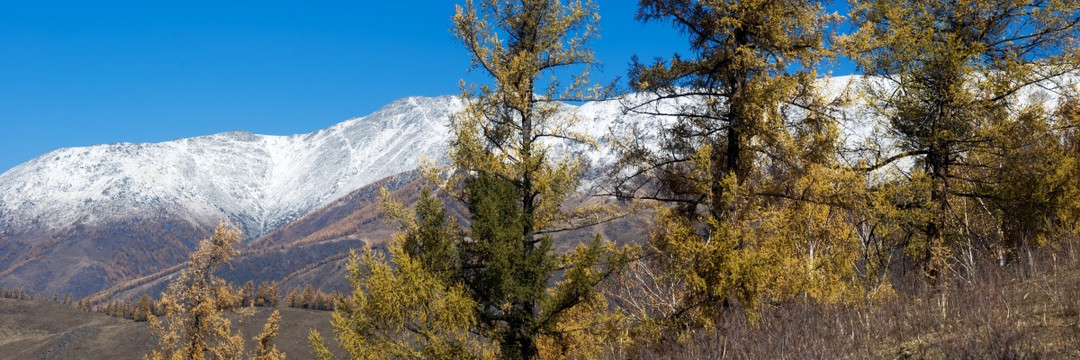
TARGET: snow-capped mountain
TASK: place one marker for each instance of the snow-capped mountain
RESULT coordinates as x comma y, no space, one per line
257,181
261,182
83,219
80,220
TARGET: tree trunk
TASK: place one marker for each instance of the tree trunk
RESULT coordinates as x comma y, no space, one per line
938,163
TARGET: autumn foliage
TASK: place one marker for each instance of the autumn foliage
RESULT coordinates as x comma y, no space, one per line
193,324
764,203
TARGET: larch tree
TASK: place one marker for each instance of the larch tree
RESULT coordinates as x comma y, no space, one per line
949,77
1027,178
746,163
264,342
508,176
194,325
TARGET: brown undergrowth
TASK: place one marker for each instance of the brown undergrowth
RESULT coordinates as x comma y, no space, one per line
1028,309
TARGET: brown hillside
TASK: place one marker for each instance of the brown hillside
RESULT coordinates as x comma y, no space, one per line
46,330
354,215
311,250
267,265
87,258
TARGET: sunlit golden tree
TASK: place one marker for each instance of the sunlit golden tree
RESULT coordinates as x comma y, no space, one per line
951,79
754,200
194,325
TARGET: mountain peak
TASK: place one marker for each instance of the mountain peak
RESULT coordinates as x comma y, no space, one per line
239,135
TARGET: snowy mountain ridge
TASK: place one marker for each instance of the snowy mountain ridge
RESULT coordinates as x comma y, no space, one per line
80,220
257,181
261,182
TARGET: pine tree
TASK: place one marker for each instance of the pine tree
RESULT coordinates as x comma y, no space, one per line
427,234
411,307
248,293
504,275
946,74
144,308
514,189
307,297
267,294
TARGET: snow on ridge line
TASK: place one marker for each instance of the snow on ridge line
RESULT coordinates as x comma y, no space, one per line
261,181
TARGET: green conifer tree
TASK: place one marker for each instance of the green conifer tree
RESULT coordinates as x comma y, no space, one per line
514,189
412,307
427,234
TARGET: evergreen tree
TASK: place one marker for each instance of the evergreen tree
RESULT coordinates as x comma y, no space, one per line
505,275
514,189
307,297
248,293
427,234
144,308
267,294
411,307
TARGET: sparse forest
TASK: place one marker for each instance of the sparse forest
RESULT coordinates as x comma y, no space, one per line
928,209
765,207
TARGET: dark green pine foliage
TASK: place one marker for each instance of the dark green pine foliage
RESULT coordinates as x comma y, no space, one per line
504,273
434,237
509,277
515,187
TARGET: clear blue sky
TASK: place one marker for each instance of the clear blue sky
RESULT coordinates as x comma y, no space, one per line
95,72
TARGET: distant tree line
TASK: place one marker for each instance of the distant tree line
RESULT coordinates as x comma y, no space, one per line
20,293
265,295
311,298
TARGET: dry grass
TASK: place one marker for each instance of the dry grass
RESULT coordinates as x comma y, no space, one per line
1025,310
47,330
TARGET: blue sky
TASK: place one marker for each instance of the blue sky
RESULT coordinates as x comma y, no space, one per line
95,72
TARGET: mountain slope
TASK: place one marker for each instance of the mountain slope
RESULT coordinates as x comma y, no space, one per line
78,220
81,220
